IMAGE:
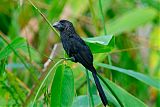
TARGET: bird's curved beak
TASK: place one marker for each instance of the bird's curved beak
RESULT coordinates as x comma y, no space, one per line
57,25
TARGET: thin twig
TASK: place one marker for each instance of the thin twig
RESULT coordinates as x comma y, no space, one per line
46,64
103,21
104,27
127,49
105,32
44,17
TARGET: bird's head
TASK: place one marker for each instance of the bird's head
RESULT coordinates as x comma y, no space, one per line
63,25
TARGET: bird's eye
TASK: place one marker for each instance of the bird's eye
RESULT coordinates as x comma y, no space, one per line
63,25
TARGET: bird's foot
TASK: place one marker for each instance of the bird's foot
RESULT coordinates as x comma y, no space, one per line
71,59
65,58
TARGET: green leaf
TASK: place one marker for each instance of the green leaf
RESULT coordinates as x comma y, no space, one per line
126,99
15,44
100,44
38,87
83,101
131,20
119,93
141,77
62,92
67,87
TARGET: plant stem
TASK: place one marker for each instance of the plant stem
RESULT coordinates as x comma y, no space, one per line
103,21
105,32
44,17
91,101
29,51
93,15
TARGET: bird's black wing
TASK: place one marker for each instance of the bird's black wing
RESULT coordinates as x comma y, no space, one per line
84,56
81,52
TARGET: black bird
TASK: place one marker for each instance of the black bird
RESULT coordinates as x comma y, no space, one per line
78,51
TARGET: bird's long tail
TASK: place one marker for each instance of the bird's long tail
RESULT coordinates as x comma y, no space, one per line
99,87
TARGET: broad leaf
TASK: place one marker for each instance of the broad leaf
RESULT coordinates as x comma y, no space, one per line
100,44
62,92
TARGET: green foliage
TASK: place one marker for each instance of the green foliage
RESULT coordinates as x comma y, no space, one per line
62,92
123,95
128,53
18,43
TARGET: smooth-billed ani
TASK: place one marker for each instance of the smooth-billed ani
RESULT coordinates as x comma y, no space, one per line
78,51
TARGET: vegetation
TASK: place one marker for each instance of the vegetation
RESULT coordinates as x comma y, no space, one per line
124,36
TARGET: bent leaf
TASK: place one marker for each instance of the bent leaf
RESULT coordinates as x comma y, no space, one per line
139,76
100,44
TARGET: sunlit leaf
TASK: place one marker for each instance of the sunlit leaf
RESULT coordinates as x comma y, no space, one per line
100,44
154,59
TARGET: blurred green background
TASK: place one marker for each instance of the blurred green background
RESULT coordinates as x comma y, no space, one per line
133,42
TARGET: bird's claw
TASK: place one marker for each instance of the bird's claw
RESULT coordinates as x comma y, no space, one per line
71,58
65,58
